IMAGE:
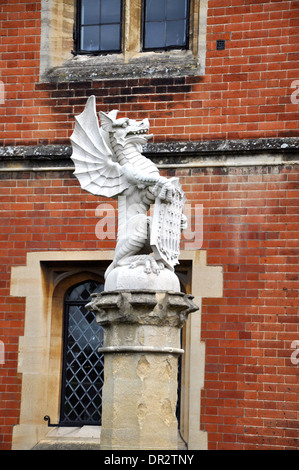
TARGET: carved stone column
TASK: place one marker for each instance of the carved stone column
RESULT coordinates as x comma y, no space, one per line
141,347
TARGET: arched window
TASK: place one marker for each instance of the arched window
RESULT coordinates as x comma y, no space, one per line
83,367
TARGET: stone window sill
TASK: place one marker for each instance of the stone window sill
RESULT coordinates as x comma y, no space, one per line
71,438
115,66
78,438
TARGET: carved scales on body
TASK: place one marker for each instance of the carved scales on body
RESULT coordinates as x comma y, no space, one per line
108,162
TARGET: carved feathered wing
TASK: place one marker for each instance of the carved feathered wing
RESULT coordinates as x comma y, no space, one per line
94,167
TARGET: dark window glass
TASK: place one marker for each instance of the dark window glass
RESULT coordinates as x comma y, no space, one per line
176,10
111,11
109,37
90,12
83,366
90,38
175,33
154,10
99,25
165,24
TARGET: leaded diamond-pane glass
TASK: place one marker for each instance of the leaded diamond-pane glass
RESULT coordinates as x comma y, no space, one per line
83,366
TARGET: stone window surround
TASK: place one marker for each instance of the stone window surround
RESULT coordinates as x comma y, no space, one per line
57,63
40,349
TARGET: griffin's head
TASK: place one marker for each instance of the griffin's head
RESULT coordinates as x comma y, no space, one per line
125,130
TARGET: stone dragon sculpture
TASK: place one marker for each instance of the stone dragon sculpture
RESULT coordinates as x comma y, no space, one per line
108,162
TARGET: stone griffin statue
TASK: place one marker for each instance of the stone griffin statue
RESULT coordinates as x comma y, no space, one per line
108,162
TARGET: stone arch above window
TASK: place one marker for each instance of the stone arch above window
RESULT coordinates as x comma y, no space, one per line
43,281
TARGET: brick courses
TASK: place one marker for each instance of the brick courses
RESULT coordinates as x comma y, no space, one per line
245,92
250,396
250,228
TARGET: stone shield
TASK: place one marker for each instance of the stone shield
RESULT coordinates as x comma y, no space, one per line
166,227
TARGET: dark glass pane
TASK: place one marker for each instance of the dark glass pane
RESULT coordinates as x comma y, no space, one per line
175,33
90,12
155,10
83,291
110,37
110,11
154,35
165,24
176,9
83,369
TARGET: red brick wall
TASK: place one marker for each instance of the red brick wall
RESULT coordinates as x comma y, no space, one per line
245,93
250,398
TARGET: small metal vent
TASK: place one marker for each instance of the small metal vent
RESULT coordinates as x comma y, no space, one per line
220,44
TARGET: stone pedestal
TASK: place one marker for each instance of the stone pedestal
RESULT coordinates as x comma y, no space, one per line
141,347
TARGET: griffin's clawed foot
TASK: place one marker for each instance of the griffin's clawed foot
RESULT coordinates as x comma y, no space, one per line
149,263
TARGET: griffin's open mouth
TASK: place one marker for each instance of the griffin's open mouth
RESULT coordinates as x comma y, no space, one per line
138,131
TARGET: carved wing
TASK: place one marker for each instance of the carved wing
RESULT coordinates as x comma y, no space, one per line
96,171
